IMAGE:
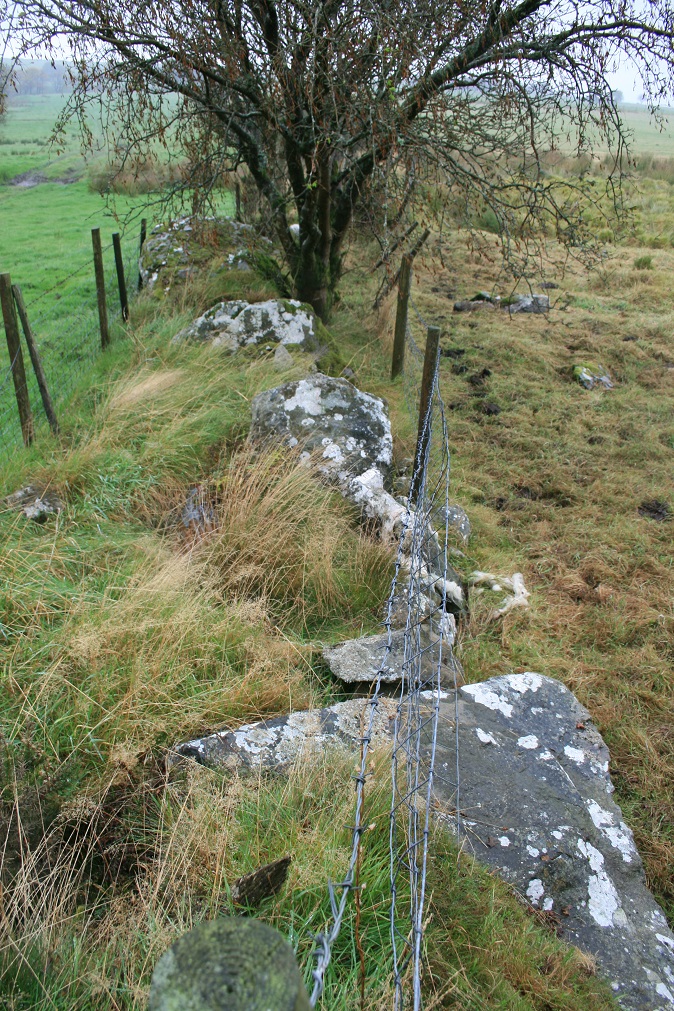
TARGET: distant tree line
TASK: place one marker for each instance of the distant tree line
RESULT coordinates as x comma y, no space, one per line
40,77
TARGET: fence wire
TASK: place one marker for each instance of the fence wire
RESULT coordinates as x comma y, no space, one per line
419,592
67,337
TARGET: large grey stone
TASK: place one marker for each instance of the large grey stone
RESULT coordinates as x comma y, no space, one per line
277,743
357,660
347,431
537,804
528,303
236,324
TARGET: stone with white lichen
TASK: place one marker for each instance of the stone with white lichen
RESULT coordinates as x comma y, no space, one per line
347,431
237,324
539,809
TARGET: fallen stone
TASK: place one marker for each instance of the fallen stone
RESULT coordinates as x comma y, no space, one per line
277,743
236,324
537,806
591,376
35,502
361,660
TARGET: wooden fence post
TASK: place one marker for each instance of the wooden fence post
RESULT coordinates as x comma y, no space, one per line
234,963
35,359
143,236
424,434
121,280
100,287
16,359
401,316
237,197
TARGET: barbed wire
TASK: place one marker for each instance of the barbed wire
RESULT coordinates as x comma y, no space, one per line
428,635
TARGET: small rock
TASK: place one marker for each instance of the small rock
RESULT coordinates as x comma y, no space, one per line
283,360
197,513
591,376
457,518
549,285
491,409
36,503
348,373
653,509
631,337
469,305
452,352
251,889
528,303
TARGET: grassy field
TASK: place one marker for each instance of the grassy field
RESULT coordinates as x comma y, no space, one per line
121,633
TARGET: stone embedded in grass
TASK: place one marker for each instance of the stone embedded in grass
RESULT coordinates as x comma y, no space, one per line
237,324
534,777
590,376
277,743
35,502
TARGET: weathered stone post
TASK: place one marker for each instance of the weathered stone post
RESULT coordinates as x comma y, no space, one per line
231,964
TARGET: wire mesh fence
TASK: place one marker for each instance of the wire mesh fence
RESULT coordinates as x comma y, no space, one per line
64,320
418,607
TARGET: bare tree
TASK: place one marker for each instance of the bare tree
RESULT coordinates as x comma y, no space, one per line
327,102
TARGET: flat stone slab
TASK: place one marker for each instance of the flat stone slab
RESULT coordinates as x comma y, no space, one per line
277,743
359,660
537,804
237,324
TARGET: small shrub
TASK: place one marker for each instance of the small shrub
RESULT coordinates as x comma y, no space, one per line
644,262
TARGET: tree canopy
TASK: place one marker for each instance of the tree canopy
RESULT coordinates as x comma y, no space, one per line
329,102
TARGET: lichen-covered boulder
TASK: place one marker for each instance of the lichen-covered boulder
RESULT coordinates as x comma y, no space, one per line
174,251
277,743
349,431
538,808
236,324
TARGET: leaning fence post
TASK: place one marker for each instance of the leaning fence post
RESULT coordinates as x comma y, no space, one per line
234,963
424,434
100,287
143,236
16,359
121,280
35,359
401,316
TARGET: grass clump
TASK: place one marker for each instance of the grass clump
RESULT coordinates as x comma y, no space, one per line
644,262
